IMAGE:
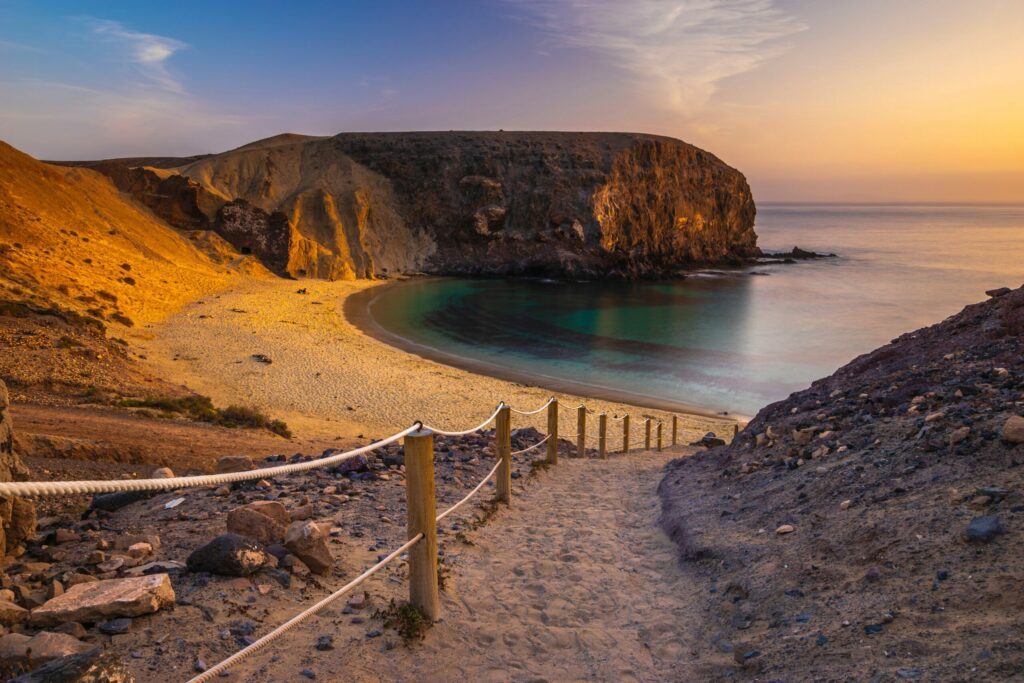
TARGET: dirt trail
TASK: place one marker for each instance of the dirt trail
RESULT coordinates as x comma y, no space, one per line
574,582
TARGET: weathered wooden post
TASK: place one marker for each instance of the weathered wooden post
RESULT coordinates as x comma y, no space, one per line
581,432
602,440
553,432
420,514
647,434
675,428
503,451
659,435
625,434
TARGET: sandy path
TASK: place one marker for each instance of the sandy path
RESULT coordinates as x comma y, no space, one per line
327,377
574,582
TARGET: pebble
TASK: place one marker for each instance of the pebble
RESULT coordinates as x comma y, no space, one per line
845,505
308,673
785,529
325,643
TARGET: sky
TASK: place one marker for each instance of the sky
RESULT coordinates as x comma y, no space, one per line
813,100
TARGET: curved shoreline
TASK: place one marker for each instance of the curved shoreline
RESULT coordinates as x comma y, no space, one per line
357,311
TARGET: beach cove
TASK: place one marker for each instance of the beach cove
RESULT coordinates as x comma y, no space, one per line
330,379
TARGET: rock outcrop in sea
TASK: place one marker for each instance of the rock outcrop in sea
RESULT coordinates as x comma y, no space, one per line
361,205
873,519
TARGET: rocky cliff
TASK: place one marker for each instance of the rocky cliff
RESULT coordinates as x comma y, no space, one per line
578,205
868,527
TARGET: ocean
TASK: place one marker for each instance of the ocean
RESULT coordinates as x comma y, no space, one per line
729,341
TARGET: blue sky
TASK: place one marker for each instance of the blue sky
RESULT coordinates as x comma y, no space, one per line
905,100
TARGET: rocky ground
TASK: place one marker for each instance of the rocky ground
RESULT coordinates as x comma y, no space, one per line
168,584
868,527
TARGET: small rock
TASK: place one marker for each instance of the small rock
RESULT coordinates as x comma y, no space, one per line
72,628
116,626
140,549
11,613
325,643
252,523
92,602
235,463
845,505
308,673
43,646
785,529
65,536
309,543
1013,430
162,473
984,529
228,555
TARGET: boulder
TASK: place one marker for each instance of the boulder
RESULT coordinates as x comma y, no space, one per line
42,647
93,666
1013,430
101,600
246,521
235,463
308,542
228,555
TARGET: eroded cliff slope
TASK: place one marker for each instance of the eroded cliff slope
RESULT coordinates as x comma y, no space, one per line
355,205
868,527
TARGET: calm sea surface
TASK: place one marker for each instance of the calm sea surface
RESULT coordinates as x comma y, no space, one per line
734,341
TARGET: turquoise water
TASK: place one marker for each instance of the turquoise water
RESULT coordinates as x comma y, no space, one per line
731,341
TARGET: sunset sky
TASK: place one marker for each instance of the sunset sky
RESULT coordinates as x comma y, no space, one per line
873,100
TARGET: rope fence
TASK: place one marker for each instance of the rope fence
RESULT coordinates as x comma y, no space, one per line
422,516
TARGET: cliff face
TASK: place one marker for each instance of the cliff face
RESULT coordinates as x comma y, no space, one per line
359,205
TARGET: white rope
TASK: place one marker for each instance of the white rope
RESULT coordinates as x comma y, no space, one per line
296,620
469,431
70,488
526,450
532,412
469,495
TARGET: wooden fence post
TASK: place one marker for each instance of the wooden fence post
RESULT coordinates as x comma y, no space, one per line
553,432
420,514
503,451
647,434
581,433
675,428
659,435
625,434
602,431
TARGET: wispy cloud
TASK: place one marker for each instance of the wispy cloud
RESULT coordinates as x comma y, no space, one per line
677,51
100,110
147,51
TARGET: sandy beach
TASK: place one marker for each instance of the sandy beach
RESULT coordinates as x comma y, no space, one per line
326,377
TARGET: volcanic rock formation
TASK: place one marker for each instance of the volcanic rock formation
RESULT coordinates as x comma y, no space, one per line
578,205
